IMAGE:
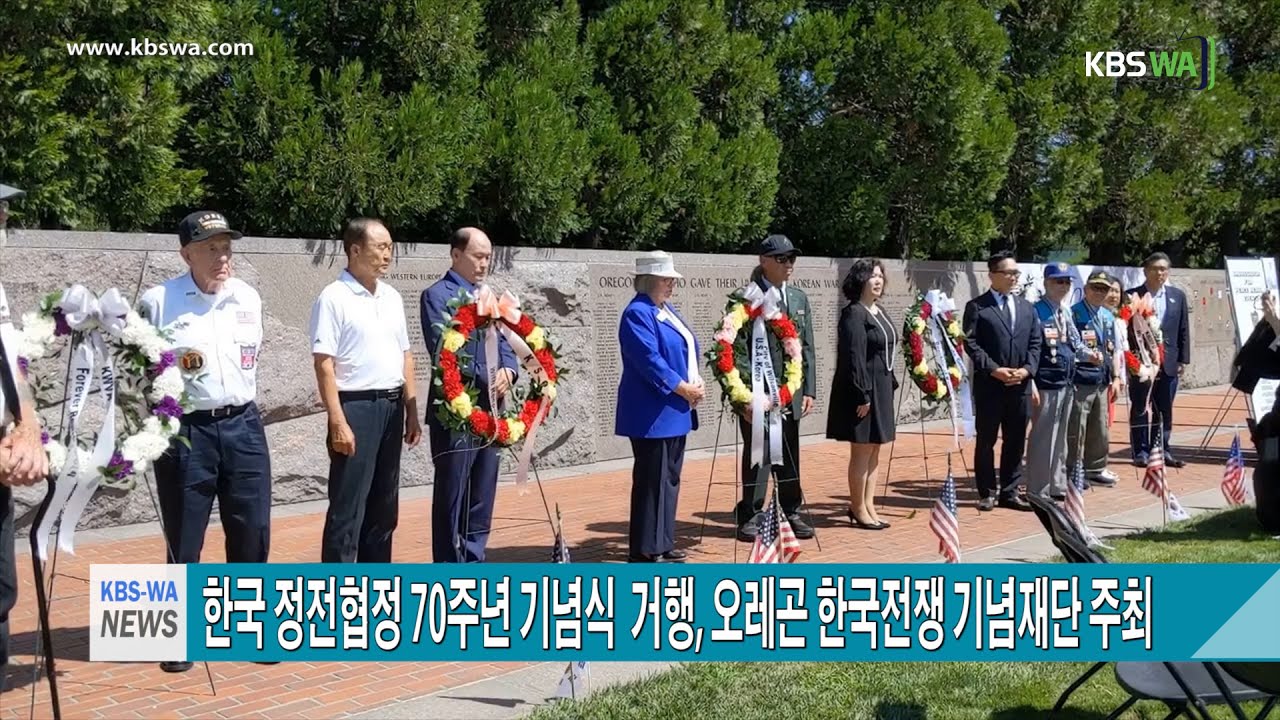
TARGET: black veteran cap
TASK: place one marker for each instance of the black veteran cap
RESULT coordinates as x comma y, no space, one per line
1101,277
202,225
778,245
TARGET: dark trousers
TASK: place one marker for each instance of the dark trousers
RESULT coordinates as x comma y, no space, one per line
465,485
1141,424
1004,412
655,490
8,572
364,487
755,481
227,459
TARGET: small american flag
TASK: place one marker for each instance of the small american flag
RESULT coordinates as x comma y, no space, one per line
942,519
1233,478
775,541
560,552
1074,504
1153,480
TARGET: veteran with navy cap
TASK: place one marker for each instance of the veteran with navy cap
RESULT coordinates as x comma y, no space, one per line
215,322
1053,389
777,258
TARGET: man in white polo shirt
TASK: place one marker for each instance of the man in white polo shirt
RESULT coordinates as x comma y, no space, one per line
364,369
215,322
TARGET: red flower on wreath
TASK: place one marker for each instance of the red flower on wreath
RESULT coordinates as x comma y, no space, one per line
525,326
481,422
786,329
724,363
930,384
548,362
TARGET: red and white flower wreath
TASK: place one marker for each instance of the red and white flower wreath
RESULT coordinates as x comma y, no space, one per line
1145,308
457,403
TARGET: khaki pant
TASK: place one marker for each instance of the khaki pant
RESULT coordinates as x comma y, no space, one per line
1088,429
1046,454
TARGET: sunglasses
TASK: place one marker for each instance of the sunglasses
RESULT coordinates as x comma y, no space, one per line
784,259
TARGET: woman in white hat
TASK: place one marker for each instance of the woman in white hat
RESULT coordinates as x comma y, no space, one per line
659,388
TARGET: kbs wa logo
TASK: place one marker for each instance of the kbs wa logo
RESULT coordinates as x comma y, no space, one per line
1195,63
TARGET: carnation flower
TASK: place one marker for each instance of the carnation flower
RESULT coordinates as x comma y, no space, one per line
168,407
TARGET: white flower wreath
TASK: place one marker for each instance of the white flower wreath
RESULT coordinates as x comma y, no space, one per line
132,363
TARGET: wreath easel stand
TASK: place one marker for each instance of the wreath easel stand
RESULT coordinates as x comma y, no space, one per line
957,448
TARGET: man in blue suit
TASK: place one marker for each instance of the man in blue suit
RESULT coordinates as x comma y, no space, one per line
1175,325
466,466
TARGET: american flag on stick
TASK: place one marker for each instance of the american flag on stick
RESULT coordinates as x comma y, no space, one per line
1153,480
942,519
775,541
1233,477
1074,507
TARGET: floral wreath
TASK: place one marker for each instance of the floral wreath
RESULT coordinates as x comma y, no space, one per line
918,323
722,357
458,406
144,371
1145,308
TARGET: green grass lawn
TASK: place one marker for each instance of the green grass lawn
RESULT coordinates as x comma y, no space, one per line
922,691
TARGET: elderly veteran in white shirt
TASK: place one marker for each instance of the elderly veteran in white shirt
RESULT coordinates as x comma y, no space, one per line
215,322
658,392
364,368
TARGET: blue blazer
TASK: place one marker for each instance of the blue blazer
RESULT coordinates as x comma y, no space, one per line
1176,327
434,307
654,362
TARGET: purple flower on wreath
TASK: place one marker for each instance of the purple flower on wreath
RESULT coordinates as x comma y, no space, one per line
44,437
23,365
118,467
168,407
60,326
167,361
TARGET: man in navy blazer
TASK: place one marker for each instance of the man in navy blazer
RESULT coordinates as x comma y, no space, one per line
466,466
1002,336
1175,325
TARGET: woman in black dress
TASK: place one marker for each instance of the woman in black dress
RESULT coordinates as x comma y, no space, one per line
862,410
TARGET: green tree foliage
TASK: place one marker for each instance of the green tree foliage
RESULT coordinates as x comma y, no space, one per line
921,130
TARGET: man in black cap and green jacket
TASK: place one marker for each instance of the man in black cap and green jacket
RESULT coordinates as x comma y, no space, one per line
777,259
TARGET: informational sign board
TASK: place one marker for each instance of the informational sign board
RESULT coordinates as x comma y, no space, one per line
1247,279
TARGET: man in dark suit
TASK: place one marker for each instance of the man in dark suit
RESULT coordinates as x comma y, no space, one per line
777,260
1002,337
1175,326
466,466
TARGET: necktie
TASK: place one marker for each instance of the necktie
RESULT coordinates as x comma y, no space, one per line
1008,309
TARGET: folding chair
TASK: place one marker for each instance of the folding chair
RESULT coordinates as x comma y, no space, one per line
1178,685
1256,677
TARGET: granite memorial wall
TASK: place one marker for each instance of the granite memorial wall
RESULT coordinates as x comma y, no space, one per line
576,294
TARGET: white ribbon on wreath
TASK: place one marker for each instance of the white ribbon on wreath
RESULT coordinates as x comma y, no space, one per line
89,317
763,379
507,307
943,348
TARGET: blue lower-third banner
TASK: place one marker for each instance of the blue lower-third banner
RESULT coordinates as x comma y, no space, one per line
712,612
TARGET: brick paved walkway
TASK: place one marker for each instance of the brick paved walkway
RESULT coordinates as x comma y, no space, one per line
595,509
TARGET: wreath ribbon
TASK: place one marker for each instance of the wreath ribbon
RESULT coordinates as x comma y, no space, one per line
499,308
87,316
762,376
961,407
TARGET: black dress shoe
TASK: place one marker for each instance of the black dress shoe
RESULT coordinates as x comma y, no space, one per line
1058,497
175,667
1015,503
748,530
675,555
883,525
645,558
799,527
986,504
1173,462
1140,460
